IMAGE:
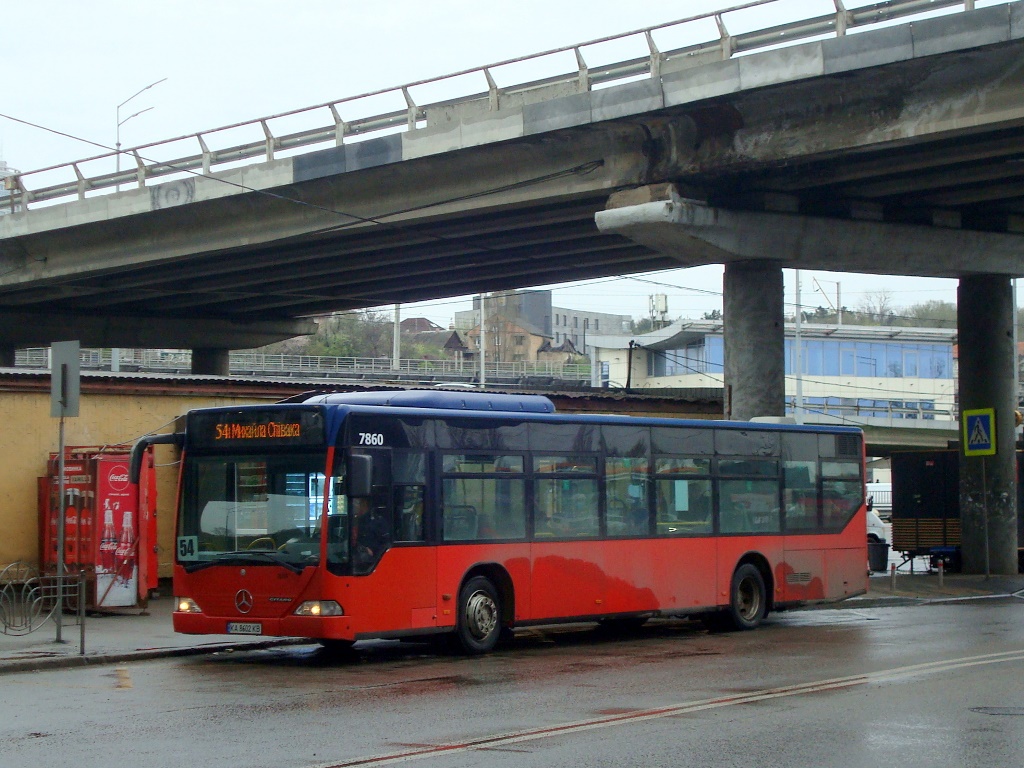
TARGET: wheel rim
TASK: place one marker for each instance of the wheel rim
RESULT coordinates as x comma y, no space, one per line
481,614
748,599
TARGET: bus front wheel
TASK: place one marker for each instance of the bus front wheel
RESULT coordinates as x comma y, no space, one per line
479,624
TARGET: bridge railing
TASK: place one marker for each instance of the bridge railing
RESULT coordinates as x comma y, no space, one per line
78,182
257,363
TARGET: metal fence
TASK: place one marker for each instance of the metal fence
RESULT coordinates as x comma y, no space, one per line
335,121
313,366
29,601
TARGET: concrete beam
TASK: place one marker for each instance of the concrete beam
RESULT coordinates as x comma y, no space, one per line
988,484
25,329
755,382
696,234
211,362
556,168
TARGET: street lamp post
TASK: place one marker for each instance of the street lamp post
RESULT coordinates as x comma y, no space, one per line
120,122
839,302
115,352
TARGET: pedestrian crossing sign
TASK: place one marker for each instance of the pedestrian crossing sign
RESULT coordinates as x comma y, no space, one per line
979,432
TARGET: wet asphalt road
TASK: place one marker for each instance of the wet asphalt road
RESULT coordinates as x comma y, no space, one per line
933,685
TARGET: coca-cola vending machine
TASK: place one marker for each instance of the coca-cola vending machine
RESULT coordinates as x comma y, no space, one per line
109,525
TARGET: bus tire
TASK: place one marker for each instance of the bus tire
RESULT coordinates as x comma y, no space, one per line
479,623
339,648
748,598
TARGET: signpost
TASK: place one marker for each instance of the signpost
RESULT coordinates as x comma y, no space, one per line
64,396
979,439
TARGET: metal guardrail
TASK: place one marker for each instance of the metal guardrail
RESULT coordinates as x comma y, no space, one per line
256,363
338,129
29,601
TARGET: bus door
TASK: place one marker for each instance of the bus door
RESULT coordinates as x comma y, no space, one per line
388,543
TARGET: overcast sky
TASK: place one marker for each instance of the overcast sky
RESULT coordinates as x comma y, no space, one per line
70,63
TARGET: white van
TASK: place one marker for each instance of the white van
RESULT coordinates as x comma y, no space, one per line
876,528
879,496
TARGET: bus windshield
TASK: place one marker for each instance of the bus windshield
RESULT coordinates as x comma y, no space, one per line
264,509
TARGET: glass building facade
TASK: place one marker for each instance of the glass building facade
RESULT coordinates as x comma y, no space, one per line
829,357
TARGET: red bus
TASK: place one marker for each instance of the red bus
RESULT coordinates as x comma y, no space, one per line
394,514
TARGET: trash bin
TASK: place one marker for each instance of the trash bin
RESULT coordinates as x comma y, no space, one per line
878,556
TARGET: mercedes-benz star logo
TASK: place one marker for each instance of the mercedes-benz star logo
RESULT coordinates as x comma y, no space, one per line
243,600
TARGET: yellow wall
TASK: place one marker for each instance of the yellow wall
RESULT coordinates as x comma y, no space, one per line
30,435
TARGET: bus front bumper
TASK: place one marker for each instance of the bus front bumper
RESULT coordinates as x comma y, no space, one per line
317,627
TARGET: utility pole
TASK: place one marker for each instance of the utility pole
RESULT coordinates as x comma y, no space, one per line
396,340
483,341
798,361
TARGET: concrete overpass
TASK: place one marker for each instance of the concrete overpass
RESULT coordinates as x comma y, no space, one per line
895,150
902,140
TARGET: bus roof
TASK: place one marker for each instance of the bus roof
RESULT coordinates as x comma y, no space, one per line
449,401
484,404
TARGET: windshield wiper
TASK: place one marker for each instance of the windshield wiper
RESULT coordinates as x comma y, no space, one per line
248,554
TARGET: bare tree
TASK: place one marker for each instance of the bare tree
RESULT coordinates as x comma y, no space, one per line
877,308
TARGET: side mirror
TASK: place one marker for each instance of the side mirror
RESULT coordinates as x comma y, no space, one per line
360,475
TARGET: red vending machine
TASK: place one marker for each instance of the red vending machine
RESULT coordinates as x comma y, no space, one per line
109,524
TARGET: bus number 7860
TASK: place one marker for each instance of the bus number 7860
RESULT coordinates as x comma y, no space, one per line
371,438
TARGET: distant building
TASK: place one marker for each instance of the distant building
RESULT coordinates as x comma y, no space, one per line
419,325
855,371
560,324
510,341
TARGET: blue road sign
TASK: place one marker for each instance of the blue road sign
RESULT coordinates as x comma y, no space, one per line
979,432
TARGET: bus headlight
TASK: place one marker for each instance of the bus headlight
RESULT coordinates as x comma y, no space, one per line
186,605
319,608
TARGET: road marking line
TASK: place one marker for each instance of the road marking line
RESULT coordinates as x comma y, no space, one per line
643,715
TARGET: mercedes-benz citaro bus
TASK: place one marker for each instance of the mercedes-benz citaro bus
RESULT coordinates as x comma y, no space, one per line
398,514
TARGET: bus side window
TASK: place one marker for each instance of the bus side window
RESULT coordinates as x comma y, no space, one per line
460,522
408,513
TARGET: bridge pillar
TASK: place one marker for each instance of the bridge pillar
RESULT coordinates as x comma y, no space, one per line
755,382
211,362
988,485
7,357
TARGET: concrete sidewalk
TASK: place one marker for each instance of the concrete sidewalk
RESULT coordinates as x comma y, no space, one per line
128,635
134,635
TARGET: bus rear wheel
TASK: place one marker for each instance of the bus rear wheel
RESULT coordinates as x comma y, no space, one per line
479,623
748,603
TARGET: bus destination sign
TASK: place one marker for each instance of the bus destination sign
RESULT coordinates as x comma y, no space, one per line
272,430
291,427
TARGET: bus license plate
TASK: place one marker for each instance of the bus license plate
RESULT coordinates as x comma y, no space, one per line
245,628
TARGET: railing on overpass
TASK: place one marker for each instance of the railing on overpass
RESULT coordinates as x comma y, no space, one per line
79,180
260,364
